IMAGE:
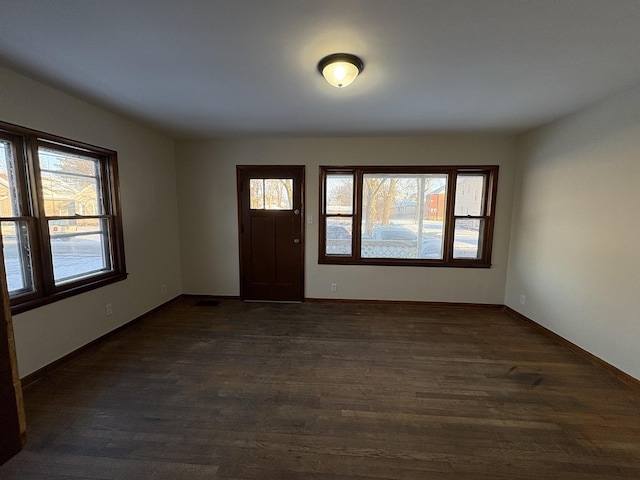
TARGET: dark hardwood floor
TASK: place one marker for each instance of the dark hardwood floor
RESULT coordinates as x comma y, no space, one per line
321,391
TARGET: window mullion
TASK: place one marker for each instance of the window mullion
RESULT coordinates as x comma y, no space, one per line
449,228
490,212
322,227
111,205
356,237
30,193
45,262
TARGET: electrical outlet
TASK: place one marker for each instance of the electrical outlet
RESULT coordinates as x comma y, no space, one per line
522,299
163,289
334,287
108,309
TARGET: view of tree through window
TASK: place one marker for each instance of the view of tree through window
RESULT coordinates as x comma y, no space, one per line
401,217
407,215
271,193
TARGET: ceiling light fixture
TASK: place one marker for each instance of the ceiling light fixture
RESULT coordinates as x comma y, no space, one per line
340,69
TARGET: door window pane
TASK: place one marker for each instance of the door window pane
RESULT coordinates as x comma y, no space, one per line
338,236
79,248
403,215
466,238
271,193
17,257
256,193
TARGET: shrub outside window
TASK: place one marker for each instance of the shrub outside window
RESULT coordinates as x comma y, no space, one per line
60,217
428,216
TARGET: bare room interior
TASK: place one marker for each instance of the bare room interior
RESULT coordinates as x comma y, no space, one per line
418,332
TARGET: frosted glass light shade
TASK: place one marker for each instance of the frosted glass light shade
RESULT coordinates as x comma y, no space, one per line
340,69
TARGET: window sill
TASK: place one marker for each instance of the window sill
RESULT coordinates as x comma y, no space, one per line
411,263
26,305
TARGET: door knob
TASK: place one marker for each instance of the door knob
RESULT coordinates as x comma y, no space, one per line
296,240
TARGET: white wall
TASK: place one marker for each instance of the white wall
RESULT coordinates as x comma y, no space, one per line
575,251
206,173
149,205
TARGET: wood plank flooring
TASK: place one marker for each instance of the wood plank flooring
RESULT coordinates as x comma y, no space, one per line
329,391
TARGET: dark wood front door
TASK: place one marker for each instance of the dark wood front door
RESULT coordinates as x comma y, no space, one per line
270,202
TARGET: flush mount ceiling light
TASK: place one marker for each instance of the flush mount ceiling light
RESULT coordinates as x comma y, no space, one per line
340,69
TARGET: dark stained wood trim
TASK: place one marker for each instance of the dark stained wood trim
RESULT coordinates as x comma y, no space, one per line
13,429
347,260
29,302
490,212
239,193
447,261
623,376
195,296
25,131
32,378
493,306
27,142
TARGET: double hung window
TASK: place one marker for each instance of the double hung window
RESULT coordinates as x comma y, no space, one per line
429,216
60,217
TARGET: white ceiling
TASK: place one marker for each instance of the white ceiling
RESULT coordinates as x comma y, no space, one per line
197,68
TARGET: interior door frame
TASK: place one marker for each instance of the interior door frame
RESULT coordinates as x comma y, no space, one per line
266,170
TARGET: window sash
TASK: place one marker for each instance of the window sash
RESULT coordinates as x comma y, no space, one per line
16,243
339,216
79,252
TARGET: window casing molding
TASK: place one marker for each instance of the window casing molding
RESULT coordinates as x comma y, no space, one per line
39,254
348,237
